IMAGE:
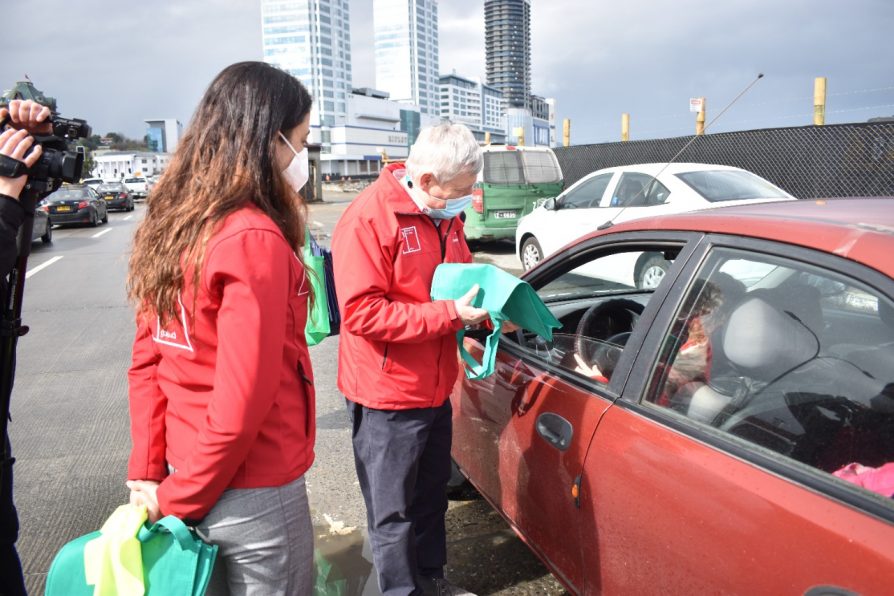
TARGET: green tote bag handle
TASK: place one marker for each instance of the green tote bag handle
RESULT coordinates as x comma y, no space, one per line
485,368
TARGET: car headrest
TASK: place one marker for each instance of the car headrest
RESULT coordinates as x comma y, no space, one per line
764,342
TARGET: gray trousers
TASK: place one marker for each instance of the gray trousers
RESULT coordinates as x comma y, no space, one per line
403,465
265,541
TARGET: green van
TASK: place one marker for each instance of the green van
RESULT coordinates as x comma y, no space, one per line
509,186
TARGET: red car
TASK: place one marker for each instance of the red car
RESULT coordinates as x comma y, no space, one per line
730,431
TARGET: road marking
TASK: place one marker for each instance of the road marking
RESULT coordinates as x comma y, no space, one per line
41,266
127,218
98,234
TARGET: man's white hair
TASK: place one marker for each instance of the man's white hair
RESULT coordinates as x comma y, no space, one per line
446,151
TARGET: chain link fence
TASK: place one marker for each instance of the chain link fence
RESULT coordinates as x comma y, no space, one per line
839,160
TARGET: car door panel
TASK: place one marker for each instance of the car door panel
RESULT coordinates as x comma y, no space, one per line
649,530
496,440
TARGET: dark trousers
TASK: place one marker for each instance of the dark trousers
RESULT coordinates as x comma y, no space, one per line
11,580
403,465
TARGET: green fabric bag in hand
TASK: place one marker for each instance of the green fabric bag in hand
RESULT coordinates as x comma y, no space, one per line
317,328
501,294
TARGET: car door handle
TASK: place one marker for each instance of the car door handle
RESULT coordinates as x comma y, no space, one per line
555,430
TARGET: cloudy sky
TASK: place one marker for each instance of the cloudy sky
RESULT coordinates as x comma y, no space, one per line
118,63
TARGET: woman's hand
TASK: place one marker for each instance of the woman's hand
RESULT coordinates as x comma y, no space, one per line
143,492
591,371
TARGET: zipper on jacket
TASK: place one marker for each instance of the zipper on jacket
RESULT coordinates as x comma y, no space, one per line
385,356
441,239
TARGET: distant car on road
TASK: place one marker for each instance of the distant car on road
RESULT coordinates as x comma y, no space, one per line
139,187
92,182
116,195
728,431
629,192
76,204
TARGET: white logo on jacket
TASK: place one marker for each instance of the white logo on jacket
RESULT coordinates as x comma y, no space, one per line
411,240
168,337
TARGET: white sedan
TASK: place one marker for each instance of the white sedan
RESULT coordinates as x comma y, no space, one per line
613,195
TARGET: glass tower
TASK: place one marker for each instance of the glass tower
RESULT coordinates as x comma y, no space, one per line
507,40
406,50
311,39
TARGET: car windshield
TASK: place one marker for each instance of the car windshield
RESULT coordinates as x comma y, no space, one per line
134,180
731,185
68,194
103,187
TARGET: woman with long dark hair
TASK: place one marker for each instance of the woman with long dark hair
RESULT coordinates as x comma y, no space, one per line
221,386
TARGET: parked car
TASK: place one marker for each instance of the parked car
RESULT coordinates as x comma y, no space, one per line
43,227
729,431
116,196
92,182
76,203
510,184
137,186
613,195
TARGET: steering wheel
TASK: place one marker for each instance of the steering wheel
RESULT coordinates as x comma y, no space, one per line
611,322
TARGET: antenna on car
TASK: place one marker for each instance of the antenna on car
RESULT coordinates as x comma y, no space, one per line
648,189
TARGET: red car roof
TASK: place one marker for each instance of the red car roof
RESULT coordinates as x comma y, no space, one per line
860,229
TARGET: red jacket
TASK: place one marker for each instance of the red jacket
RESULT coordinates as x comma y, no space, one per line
397,348
226,398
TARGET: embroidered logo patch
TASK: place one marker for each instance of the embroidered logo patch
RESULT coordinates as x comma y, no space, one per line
411,240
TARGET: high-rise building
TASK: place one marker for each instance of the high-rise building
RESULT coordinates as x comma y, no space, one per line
474,104
311,39
507,40
406,51
164,134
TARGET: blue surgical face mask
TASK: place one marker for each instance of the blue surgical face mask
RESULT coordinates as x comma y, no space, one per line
454,207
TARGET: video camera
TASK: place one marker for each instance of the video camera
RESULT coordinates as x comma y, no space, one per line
58,163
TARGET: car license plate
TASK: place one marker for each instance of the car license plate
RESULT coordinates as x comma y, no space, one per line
62,208
504,214
110,197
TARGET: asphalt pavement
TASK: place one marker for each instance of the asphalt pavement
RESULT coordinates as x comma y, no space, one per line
70,423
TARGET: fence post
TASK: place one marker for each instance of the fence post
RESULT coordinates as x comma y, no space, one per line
819,101
625,127
566,132
700,119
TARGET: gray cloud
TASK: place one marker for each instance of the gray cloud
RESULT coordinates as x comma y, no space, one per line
118,63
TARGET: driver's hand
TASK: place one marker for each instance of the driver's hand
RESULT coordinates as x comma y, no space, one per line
591,371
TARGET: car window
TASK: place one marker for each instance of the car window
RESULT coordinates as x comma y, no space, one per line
586,194
598,304
541,167
502,167
638,190
799,363
730,185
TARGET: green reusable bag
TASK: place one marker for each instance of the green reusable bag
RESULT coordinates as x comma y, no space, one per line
317,328
175,562
501,294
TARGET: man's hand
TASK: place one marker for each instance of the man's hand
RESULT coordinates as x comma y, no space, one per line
27,115
143,492
14,144
468,313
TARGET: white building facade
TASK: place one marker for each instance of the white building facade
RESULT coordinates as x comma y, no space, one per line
311,39
115,165
406,51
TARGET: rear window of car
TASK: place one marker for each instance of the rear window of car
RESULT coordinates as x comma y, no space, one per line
541,167
68,194
731,185
134,180
103,187
503,167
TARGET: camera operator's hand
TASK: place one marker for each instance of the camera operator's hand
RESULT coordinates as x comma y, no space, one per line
28,115
14,144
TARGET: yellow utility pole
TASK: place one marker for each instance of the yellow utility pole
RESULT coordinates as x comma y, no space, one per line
700,119
566,132
520,136
487,137
625,127
819,101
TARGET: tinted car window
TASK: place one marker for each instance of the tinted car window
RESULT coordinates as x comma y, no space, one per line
502,167
800,363
68,194
586,194
730,185
540,167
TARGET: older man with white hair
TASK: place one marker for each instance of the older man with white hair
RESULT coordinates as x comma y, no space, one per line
397,357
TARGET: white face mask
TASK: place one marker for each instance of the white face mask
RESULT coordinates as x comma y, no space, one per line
298,170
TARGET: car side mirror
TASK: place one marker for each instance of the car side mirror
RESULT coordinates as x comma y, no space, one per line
551,204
